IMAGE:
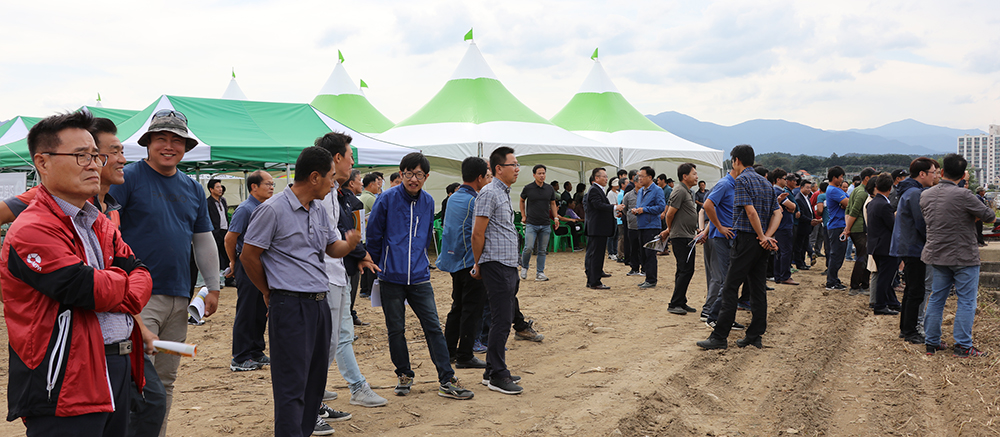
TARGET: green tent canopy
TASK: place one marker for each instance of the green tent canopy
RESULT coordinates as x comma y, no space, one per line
13,135
343,101
239,134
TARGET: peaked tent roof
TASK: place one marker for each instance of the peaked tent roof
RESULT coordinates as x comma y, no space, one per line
600,112
14,142
341,99
248,134
474,113
233,91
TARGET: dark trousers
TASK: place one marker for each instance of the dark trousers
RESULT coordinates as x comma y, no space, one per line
915,273
783,257
501,289
613,243
834,256
860,276
355,283
747,263
979,232
299,332
594,260
367,279
800,245
250,321
685,270
468,296
884,294
148,408
635,251
648,256
220,242
421,299
93,424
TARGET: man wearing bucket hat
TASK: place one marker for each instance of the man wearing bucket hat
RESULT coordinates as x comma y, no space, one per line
163,213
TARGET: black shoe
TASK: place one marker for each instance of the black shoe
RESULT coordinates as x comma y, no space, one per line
885,312
768,288
358,322
915,339
598,287
474,363
804,268
505,386
688,309
744,342
712,343
605,275
895,307
677,310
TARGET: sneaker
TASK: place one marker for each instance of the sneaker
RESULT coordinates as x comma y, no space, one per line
478,347
528,333
635,273
854,292
541,277
505,386
677,310
329,395
966,352
524,273
615,258
704,317
743,306
451,389
263,360
245,366
738,326
330,415
688,308
365,295
836,287
515,378
365,397
403,388
866,292
931,348
322,428
192,321
711,323
646,284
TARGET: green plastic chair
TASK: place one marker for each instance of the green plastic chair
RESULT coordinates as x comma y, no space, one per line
557,242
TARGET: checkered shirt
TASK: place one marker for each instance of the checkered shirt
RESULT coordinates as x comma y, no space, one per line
501,236
753,189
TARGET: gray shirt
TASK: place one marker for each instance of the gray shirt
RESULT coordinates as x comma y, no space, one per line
629,201
115,327
294,241
685,222
501,237
951,212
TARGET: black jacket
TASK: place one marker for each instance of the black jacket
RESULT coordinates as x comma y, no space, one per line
880,224
348,204
804,207
600,218
213,210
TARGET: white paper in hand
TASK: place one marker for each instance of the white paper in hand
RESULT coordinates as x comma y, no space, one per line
197,307
377,295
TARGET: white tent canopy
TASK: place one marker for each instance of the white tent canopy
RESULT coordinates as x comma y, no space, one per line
233,91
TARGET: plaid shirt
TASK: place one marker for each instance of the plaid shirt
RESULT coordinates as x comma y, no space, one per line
753,189
501,237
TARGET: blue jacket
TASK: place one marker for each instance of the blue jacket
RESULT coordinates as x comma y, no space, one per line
456,243
652,205
909,232
400,229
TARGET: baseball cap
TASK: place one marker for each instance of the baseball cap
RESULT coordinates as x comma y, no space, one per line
169,120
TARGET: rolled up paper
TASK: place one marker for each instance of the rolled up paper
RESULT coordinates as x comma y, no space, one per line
197,307
175,348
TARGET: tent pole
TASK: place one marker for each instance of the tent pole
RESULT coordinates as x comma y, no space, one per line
581,172
621,158
480,149
288,174
243,186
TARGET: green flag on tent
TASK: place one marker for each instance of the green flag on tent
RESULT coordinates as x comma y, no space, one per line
363,84
594,56
341,56
98,97
468,36
234,73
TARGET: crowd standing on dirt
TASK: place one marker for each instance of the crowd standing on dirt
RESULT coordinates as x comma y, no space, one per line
109,256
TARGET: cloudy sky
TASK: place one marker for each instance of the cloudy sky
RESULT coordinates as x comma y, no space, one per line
831,65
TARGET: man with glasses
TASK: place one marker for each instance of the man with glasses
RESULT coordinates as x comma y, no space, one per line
163,213
251,313
71,287
398,247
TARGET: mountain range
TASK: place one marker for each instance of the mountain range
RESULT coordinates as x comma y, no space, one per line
907,137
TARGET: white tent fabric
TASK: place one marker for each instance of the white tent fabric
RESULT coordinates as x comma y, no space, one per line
15,132
475,124
339,83
370,150
233,91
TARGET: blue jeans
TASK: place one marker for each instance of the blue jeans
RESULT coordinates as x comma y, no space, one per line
717,265
342,339
531,233
421,299
966,281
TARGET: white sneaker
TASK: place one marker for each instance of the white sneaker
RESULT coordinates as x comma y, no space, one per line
367,398
524,273
541,277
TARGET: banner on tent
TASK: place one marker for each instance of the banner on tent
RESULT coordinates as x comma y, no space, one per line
12,184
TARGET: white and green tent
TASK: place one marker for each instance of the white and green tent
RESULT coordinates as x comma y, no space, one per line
343,101
233,91
237,134
14,141
600,112
474,113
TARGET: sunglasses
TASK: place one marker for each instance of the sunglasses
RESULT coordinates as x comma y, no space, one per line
169,112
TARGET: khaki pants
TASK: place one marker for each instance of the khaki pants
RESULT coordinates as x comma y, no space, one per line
166,316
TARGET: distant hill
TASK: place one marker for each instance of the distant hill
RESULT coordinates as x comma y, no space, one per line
904,137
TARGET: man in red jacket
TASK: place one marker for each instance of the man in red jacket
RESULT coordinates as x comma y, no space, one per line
71,286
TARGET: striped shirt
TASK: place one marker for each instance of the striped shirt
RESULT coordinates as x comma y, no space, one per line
493,202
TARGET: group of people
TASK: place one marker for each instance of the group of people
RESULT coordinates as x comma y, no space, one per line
97,263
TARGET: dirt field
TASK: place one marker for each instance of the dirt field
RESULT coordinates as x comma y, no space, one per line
616,363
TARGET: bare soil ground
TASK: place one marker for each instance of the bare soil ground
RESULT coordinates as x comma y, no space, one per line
616,363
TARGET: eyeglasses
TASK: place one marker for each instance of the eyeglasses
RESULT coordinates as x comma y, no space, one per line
84,159
410,175
166,112
268,184
510,165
